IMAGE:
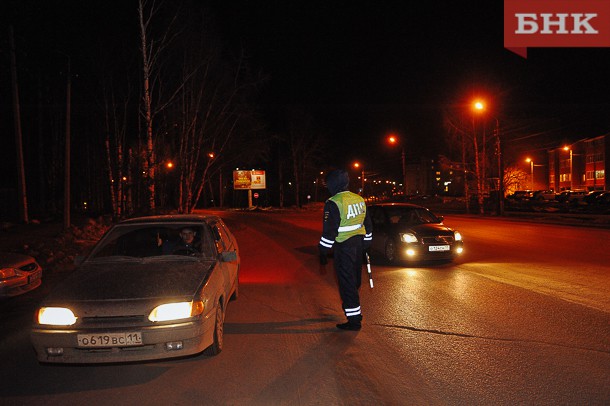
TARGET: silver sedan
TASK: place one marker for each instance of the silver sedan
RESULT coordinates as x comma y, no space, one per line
152,287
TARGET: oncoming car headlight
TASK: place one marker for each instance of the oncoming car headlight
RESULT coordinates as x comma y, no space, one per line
56,316
457,235
176,311
408,237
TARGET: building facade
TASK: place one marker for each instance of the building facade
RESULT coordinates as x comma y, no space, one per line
582,165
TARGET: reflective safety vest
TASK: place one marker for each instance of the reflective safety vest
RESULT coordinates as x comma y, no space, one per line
352,211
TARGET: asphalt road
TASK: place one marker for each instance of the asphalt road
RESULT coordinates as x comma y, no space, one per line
522,318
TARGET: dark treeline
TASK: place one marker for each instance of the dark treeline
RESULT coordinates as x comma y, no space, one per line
160,110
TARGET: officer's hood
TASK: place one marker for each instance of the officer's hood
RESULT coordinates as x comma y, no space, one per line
337,181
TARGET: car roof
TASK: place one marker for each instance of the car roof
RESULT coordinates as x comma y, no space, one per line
172,218
390,204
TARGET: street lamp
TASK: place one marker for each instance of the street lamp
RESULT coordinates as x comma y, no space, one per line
480,106
567,148
358,166
393,140
531,162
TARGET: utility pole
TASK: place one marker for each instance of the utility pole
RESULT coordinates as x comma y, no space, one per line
67,220
21,190
404,172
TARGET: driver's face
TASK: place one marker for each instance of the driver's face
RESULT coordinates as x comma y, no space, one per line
187,236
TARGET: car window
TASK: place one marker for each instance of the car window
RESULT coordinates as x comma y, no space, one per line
410,215
226,235
139,241
222,239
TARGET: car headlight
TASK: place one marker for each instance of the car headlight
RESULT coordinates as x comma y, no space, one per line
6,273
457,235
408,237
176,311
56,316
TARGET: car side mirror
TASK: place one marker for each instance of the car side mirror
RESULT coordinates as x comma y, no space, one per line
228,256
440,218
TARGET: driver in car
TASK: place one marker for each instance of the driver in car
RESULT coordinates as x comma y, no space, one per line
188,243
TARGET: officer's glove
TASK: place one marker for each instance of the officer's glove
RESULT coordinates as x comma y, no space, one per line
323,259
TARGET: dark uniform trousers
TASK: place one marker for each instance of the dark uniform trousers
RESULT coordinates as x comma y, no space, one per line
348,265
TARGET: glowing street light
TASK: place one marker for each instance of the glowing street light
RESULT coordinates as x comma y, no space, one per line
531,162
393,140
567,148
357,165
479,106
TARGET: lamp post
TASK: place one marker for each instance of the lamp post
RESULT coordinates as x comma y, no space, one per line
480,106
567,148
393,140
531,162
358,166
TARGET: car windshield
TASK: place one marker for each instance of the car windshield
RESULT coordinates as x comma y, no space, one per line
126,241
410,215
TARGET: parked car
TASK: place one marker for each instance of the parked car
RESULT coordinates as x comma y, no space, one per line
603,199
543,195
129,301
520,195
18,274
408,232
591,197
571,196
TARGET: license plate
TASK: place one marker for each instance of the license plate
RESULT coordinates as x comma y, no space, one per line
109,339
438,248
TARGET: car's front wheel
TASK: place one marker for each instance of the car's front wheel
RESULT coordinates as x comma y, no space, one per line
219,324
390,251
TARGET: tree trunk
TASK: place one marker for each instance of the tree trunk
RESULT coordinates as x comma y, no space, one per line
149,161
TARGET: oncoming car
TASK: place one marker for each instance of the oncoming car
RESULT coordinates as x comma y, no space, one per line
132,300
408,232
18,274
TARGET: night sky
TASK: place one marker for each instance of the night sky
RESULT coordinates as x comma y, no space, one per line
366,68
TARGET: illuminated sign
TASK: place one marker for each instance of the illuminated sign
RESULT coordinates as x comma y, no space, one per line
244,180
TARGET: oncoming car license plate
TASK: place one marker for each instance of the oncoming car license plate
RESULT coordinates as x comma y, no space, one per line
109,339
438,248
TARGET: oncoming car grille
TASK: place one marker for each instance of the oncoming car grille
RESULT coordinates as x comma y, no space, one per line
439,239
114,320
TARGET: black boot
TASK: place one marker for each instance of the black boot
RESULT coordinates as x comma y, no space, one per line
352,326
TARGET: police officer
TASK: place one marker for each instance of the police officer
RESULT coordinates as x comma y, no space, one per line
347,229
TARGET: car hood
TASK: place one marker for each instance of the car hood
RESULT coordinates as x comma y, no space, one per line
132,280
422,230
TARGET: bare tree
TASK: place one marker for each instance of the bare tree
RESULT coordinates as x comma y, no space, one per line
305,143
152,50
211,109
115,143
514,179
473,144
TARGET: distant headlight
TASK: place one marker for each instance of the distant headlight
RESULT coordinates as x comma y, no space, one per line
458,236
56,316
408,237
176,311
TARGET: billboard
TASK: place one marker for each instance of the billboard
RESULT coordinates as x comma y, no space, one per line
245,180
